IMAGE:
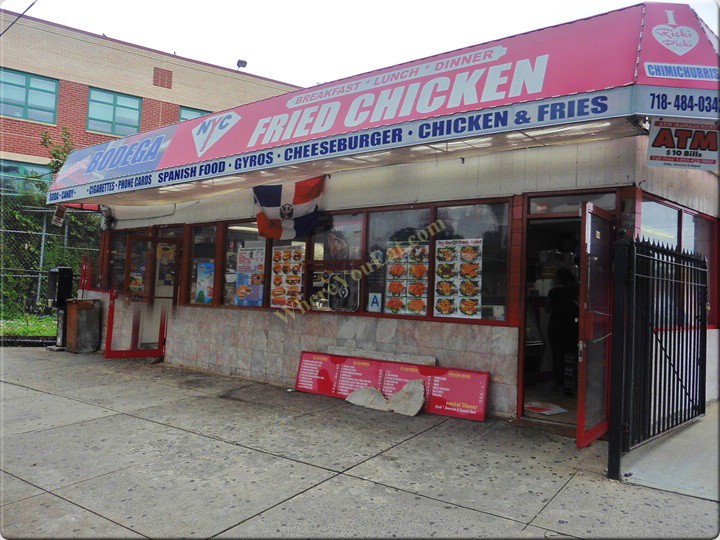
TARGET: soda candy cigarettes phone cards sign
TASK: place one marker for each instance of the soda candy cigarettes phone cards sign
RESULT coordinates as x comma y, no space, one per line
287,275
407,278
458,281
249,276
459,393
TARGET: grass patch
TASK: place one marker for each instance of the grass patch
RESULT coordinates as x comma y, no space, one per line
29,326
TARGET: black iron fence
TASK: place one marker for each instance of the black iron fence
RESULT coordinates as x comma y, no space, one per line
659,346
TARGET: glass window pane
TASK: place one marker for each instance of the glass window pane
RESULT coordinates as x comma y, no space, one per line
13,94
9,168
571,203
125,130
659,223
127,116
99,95
471,260
43,84
203,265
101,111
41,116
186,113
118,251
339,238
244,266
129,102
697,237
41,99
400,287
12,77
12,110
96,125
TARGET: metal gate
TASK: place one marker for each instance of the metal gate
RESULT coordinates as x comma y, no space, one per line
659,344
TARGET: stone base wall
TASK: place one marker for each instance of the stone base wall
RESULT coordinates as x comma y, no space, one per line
258,345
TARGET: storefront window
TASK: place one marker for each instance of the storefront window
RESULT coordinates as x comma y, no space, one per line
659,223
337,250
571,203
118,253
400,286
244,276
287,273
471,255
698,237
202,264
339,238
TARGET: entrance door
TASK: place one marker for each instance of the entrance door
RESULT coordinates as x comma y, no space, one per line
137,325
595,343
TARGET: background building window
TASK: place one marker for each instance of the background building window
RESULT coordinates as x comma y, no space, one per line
17,178
110,112
28,96
186,113
202,265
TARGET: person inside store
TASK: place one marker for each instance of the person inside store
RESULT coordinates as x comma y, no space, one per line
563,326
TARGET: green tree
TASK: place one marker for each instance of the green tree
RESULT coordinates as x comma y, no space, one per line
31,245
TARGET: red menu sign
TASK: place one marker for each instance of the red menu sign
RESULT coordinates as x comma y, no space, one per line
460,393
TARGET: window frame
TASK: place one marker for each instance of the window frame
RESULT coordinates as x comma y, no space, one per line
192,110
713,258
312,265
27,88
114,122
23,174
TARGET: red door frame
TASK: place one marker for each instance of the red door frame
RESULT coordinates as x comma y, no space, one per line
583,436
148,296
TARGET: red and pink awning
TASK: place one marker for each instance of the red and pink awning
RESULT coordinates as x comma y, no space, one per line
650,59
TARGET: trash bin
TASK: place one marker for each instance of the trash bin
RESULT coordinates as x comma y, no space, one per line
83,326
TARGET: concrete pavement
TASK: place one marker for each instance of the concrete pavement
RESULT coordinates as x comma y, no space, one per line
123,448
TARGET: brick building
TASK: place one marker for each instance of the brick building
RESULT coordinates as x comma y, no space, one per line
99,88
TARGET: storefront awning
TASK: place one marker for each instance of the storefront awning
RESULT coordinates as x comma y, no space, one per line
650,60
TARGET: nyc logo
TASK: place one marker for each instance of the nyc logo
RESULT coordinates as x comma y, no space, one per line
212,129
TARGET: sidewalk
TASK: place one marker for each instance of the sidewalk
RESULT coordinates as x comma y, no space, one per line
122,448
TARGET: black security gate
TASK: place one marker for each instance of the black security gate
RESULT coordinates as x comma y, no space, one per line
659,344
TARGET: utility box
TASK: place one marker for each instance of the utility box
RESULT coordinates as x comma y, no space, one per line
83,326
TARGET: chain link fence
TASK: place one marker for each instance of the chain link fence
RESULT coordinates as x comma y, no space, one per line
32,245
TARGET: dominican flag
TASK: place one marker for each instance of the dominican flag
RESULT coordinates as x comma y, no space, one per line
288,211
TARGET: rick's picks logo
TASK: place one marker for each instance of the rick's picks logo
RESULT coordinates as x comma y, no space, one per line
678,39
210,130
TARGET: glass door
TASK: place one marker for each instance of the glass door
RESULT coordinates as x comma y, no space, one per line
137,325
595,324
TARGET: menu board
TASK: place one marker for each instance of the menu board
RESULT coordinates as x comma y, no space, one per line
287,276
406,281
249,276
459,393
353,374
458,278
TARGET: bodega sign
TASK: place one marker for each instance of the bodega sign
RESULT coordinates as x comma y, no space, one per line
683,143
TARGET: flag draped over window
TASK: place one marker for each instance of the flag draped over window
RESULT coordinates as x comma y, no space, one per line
289,210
